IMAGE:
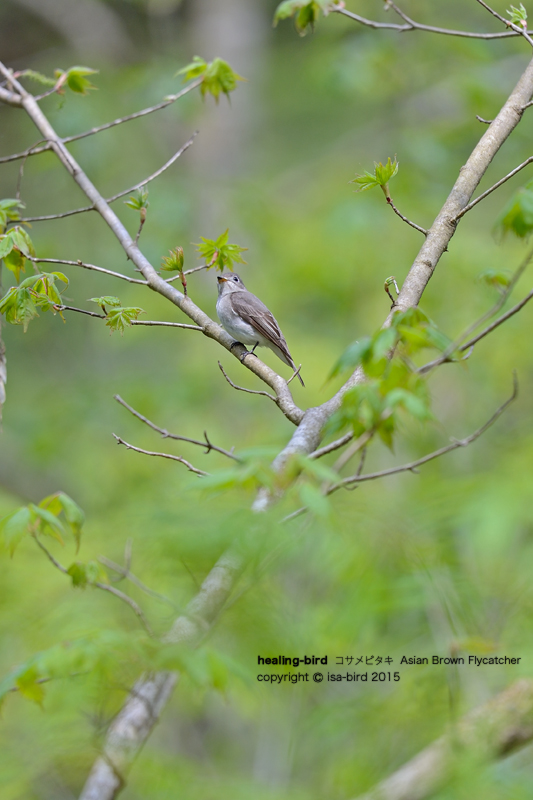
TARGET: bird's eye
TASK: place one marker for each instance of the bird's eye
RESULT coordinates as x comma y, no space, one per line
236,279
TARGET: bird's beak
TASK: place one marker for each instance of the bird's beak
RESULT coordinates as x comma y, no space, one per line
221,279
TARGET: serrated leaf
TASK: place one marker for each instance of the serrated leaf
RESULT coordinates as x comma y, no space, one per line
15,262
105,300
14,527
6,245
517,216
118,319
217,76
518,16
49,524
22,240
381,176
221,252
174,261
77,80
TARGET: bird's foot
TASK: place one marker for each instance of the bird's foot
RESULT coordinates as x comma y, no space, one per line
234,344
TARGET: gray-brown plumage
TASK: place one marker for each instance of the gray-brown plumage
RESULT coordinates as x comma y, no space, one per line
248,320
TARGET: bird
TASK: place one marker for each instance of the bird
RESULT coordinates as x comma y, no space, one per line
248,320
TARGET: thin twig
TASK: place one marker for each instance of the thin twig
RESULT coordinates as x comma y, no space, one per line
150,322
87,266
242,388
103,586
417,26
35,149
372,476
412,224
508,24
197,269
294,374
162,455
492,188
504,317
166,435
112,199
485,121
125,572
359,444
330,448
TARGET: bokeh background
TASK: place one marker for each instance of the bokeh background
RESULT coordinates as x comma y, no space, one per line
413,565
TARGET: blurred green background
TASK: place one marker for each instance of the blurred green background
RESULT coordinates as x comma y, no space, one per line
412,565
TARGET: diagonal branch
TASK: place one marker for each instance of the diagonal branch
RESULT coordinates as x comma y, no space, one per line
210,329
166,435
161,455
243,388
493,188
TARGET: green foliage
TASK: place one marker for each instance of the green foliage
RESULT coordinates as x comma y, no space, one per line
15,247
55,516
117,317
498,279
76,79
9,211
217,76
139,200
20,304
380,177
174,261
518,16
38,77
393,383
517,216
220,253
305,13
105,300
86,574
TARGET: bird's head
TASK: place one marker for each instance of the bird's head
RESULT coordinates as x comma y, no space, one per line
230,282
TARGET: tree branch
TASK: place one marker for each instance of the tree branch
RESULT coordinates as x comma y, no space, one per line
493,188
112,199
125,572
86,266
508,24
166,435
412,224
417,26
496,728
103,586
161,455
242,388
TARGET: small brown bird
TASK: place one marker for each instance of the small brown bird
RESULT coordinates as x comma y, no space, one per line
248,320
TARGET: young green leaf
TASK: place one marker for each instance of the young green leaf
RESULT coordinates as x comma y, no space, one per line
517,216
6,245
105,300
518,16
76,79
381,176
9,211
29,686
118,319
138,201
305,12
48,523
14,527
220,252
217,76
174,261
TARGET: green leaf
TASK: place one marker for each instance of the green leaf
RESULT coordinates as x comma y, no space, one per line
9,210
174,261
14,527
138,201
517,216
61,502
106,300
305,13
352,356
22,240
78,573
25,309
315,501
15,262
518,16
27,683
77,81
380,177
118,319
500,280
6,245
217,76
220,252
49,525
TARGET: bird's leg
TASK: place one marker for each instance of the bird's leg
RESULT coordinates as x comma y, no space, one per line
234,344
249,353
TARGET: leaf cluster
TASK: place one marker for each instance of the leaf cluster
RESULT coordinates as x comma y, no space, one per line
15,247
305,13
21,303
117,317
220,252
517,215
174,261
518,16
76,79
55,517
9,211
393,384
217,76
380,177
139,200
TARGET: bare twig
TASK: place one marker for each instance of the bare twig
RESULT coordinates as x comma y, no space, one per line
112,199
359,444
162,455
103,586
372,476
150,322
242,388
125,572
87,266
79,311
412,224
330,448
504,317
197,269
493,188
485,121
417,26
35,149
508,24
294,374
166,435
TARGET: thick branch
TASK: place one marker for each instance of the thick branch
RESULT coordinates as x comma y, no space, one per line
496,728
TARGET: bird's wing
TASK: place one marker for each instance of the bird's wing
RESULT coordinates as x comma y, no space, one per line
256,314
